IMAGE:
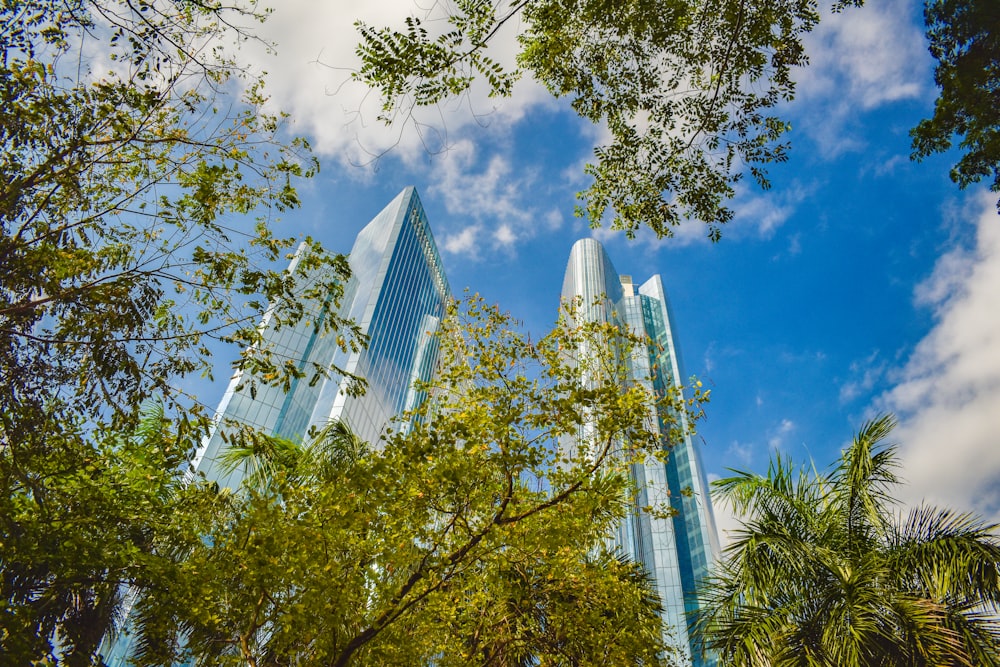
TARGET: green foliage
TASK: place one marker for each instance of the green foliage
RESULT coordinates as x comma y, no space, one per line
825,572
965,40
83,520
686,89
116,261
469,535
123,156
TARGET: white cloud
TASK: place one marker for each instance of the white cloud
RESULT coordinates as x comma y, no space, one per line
951,272
795,245
860,59
554,219
888,167
726,521
467,190
760,214
741,452
487,194
778,434
310,77
865,374
948,393
504,235
757,215
463,242
707,359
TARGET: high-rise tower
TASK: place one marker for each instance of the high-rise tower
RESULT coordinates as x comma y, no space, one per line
396,294
677,551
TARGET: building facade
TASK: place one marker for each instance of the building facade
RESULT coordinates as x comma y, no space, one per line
676,550
397,294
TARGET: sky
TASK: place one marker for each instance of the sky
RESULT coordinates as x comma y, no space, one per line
860,283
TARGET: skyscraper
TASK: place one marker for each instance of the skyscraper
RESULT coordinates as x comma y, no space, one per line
396,294
677,551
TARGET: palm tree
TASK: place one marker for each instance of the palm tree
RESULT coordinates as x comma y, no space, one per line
316,460
827,572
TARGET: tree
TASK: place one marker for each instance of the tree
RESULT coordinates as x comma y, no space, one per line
129,136
686,88
825,572
117,259
82,532
965,40
469,535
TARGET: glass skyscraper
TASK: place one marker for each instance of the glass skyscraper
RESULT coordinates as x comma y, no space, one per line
677,551
397,294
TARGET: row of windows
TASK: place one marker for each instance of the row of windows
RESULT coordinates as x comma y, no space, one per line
409,293
676,550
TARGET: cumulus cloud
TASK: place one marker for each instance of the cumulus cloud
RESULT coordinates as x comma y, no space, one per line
310,77
948,394
462,242
854,54
487,194
860,59
504,235
478,191
493,205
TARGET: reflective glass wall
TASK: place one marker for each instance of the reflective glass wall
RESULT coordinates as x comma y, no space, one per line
676,550
397,294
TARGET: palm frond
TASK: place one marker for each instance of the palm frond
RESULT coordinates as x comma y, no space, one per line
823,572
784,494
865,476
947,554
151,422
334,447
261,457
979,632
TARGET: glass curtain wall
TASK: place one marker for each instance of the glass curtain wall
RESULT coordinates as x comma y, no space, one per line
397,294
677,551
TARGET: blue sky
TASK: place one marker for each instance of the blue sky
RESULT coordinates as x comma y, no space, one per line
860,282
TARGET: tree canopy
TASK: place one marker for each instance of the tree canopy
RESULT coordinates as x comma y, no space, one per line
825,571
687,89
130,134
140,180
965,41
469,535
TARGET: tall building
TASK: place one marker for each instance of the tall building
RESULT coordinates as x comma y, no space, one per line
396,294
677,551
